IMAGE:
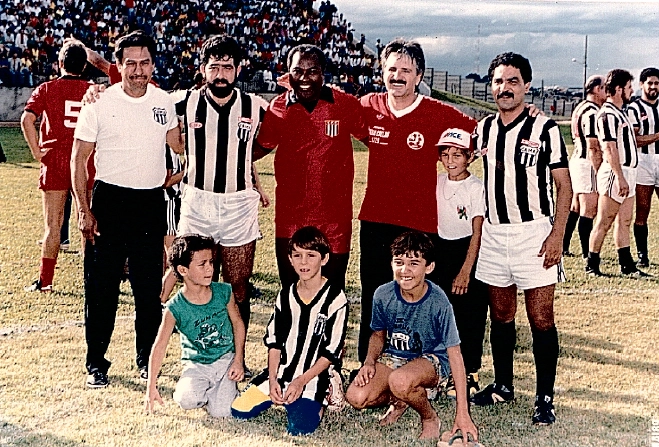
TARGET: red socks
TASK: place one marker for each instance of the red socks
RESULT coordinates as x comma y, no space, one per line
47,271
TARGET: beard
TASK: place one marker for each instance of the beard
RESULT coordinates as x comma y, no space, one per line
221,91
652,94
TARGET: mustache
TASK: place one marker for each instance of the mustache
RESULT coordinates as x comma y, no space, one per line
219,81
398,82
505,95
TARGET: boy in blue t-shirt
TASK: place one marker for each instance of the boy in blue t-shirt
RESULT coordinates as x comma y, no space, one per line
414,343
211,331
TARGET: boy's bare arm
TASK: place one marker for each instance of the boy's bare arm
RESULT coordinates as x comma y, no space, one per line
295,388
155,361
461,282
274,356
236,371
375,347
463,421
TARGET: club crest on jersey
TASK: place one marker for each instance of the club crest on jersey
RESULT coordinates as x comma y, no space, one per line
415,140
244,129
528,152
319,325
195,125
160,115
331,128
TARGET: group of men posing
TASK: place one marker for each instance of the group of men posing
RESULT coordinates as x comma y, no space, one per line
608,126
121,206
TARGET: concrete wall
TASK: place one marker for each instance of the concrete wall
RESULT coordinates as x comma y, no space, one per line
12,102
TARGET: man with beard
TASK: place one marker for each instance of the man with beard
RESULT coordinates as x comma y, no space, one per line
616,178
219,198
311,127
644,117
523,157
128,128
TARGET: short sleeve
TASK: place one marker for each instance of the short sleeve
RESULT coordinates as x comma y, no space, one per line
269,136
634,116
477,193
36,104
378,316
607,127
555,146
87,125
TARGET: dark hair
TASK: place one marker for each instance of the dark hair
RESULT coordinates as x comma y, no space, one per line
468,153
616,78
414,243
183,249
648,73
407,47
307,50
135,39
309,238
221,46
593,82
512,60
73,58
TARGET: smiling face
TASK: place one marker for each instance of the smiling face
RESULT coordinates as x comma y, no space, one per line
410,271
509,88
306,77
136,69
650,88
400,76
200,270
455,162
307,263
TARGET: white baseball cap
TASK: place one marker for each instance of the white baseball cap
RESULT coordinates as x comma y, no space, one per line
455,138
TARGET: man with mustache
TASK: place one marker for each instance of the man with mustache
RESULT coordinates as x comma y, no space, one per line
219,197
128,128
616,178
522,238
644,117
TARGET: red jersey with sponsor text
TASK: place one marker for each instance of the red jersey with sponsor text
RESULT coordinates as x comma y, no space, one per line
314,167
402,160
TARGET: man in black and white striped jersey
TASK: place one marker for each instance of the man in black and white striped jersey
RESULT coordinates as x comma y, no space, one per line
616,178
644,116
522,238
219,197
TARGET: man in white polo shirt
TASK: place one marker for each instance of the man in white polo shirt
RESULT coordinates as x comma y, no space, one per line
128,127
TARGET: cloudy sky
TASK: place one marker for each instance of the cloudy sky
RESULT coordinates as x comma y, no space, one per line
549,33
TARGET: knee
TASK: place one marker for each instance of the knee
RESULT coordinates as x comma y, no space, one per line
400,384
189,399
357,396
502,316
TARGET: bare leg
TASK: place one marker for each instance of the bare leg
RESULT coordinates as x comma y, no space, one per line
375,393
237,266
607,210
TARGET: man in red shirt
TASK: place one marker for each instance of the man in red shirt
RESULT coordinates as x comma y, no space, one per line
58,104
403,128
314,169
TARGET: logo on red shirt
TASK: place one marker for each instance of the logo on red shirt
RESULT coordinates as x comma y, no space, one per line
415,140
331,128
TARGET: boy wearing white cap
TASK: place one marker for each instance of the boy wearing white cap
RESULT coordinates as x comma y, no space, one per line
460,214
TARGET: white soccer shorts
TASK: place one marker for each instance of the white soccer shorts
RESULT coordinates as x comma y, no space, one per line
648,170
230,219
582,175
509,255
607,185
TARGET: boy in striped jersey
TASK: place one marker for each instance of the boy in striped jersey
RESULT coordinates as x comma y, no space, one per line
616,178
522,237
305,338
644,116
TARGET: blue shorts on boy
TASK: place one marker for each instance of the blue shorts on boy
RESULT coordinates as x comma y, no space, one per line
303,333
207,350
413,329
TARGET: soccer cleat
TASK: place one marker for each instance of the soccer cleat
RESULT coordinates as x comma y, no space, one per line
492,394
144,373
593,271
97,379
37,287
544,413
633,272
643,260
336,399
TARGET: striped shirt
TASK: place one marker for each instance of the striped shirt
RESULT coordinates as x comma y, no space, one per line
219,140
518,159
305,332
645,119
613,126
584,118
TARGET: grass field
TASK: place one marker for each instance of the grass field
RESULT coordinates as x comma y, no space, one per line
606,390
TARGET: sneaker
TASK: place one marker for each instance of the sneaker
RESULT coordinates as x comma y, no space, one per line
643,260
472,384
633,272
144,373
97,379
336,399
450,388
492,394
544,413
593,271
37,287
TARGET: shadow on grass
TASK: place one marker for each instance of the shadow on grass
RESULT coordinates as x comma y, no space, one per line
13,435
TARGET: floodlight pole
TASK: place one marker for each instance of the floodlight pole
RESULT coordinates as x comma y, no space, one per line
585,67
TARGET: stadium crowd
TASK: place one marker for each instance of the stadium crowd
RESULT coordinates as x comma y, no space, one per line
33,31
